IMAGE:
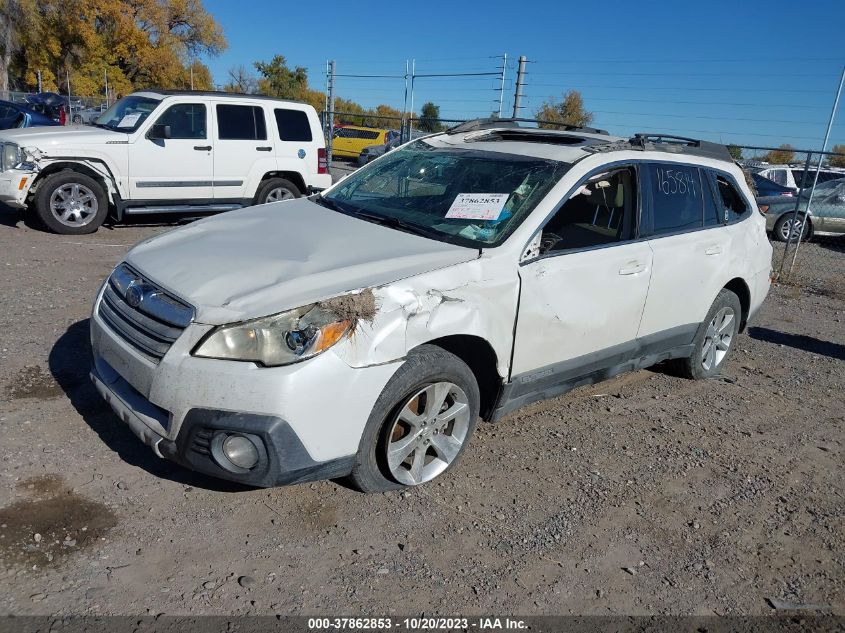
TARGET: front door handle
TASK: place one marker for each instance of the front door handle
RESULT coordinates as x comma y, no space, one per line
632,268
713,250
264,149
202,148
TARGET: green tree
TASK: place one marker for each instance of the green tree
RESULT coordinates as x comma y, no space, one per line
735,151
837,161
569,111
429,120
277,80
784,154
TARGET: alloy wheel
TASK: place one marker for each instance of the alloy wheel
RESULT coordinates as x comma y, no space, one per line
73,204
718,338
428,433
279,193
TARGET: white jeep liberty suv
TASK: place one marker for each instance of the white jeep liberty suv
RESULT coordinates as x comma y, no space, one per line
164,152
364,330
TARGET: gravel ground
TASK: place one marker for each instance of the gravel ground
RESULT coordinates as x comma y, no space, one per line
646,494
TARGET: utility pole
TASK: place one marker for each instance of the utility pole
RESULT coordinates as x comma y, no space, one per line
69,119
411,121
502,89
819,166
520,80
39,82
106,77
192,75
330,113
403,130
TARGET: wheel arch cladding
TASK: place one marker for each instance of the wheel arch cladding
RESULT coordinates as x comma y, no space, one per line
294,176
738,286
480,357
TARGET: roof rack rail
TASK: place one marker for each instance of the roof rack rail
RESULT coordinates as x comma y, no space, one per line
681,145
491,122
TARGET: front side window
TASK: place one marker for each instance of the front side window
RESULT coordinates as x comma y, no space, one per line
602,211
186,120
676,198
472,198
128,114
240,122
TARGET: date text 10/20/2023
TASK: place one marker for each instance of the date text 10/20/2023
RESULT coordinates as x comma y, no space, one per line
416,624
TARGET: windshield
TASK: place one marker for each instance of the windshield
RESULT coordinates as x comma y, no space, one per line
468,197
128,114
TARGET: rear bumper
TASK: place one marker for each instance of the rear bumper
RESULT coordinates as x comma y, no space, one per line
283,458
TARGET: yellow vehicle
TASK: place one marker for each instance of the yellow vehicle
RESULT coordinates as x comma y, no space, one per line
349,140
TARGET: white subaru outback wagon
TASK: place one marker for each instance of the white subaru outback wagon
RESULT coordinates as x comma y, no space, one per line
185,152
364,330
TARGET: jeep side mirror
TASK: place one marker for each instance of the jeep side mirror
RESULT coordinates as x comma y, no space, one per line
159,131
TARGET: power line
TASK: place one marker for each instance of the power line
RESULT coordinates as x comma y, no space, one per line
697,88
628,60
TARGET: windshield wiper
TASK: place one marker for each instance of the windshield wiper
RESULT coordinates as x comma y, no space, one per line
396,223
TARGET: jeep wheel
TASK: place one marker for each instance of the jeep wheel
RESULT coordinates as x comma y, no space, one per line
420,424
277,189
71,203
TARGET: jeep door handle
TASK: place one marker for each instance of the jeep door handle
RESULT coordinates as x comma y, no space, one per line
202,148
264,149
632,268
713,250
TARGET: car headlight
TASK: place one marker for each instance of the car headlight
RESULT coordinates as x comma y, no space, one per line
11,156
279,339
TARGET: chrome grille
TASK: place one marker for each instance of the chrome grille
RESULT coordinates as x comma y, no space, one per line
141,313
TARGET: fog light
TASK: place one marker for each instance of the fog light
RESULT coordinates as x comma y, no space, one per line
240,451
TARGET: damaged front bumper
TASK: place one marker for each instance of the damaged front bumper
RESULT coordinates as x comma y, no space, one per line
14,187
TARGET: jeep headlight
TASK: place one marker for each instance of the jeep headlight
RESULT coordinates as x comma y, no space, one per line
279,339
11,156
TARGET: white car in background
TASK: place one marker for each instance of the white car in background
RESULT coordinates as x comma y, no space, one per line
363,331
164,152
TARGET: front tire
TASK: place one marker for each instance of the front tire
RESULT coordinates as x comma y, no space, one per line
420,424
784,226
70,203
714,339
277,189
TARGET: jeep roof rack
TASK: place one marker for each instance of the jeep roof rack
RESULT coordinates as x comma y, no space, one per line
490,123
680,145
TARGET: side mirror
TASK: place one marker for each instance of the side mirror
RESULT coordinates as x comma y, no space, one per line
159,131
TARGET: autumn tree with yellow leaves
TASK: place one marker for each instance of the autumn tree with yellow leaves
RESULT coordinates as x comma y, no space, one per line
135,43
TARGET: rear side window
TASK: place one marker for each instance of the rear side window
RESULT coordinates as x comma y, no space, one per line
293,125
728,199
676,198
241,122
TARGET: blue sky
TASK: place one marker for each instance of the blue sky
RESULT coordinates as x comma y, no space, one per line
759,72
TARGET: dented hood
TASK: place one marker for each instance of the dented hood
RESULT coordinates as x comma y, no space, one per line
266,259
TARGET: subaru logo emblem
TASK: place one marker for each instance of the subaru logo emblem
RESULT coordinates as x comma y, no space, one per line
134,294
301,153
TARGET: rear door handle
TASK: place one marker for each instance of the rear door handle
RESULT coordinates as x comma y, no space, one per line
202,148
632,268
713,250
264,149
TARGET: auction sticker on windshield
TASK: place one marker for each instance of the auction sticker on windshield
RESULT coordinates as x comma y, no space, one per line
477,206
129,120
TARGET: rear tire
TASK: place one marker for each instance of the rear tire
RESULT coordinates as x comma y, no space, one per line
277,189
409,413
714,339
70,203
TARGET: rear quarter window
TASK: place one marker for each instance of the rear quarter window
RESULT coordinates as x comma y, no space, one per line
729,200
293,125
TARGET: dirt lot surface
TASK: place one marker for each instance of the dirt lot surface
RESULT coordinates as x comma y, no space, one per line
646,494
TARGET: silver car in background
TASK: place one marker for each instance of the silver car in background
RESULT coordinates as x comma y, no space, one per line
826,216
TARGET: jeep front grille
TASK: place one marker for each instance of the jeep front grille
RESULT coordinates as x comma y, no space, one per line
141,313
